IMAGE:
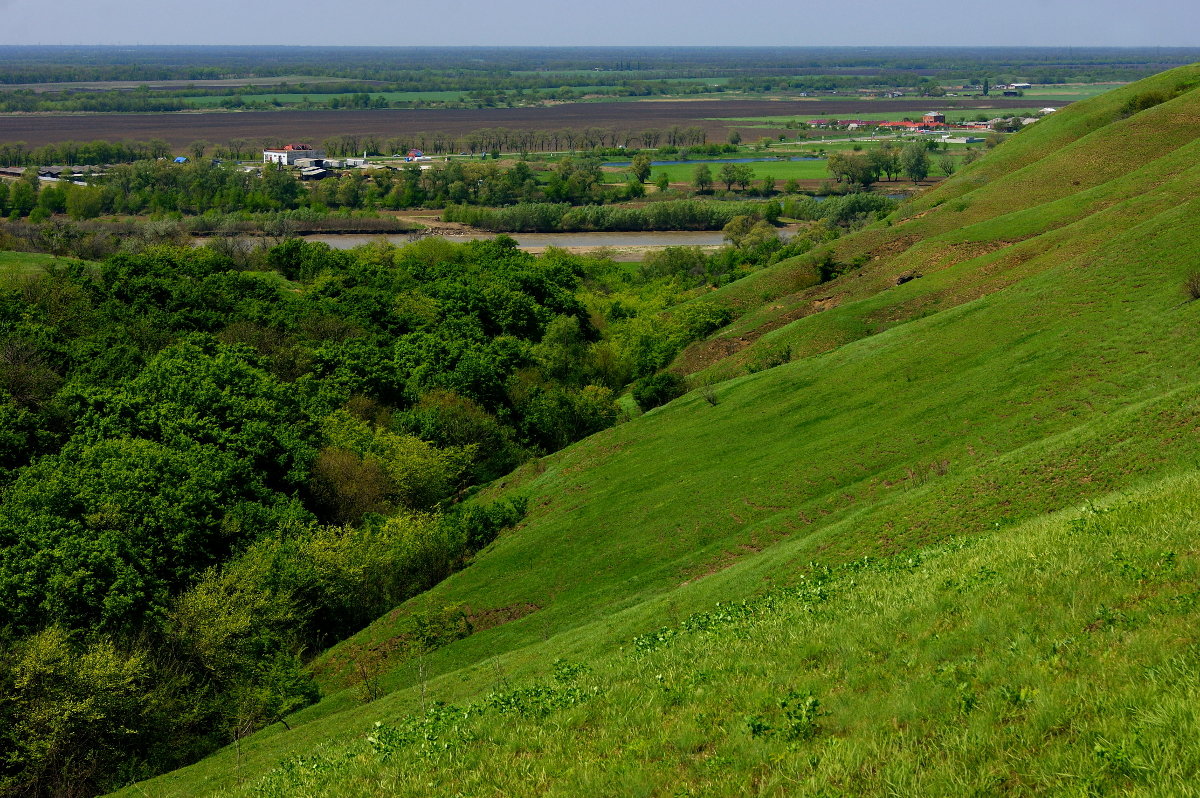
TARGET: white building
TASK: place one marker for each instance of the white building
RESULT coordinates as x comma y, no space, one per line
289,153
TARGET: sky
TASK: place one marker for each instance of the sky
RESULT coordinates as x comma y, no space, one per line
1164,23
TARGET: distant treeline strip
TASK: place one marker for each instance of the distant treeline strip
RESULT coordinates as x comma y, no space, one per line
547,217
497,139
38,64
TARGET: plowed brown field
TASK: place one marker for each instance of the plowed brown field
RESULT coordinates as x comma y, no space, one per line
181,129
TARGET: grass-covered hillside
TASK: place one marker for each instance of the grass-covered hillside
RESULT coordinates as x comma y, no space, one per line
927,529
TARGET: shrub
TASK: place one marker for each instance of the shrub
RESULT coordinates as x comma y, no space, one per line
1140,102
1191,286
656,390
770,358
701,318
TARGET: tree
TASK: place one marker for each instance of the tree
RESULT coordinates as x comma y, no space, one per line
914,159
702,178
71,713
22,198
772,211
766,186
735,138
738,228
853,168
947,164
738,173
885,160
640,167
744,175
84,202
663,181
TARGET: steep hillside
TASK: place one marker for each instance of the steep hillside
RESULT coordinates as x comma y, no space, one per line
1043,197
1044,359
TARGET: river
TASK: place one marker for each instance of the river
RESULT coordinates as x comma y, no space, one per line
539,241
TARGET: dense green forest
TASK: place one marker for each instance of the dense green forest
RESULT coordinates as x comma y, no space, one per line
208,474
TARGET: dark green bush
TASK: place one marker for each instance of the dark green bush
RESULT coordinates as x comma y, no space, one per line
658,389
1140,102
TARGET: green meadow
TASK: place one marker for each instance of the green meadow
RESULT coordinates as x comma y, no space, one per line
780,170
16,265
776,122
927,528
293,98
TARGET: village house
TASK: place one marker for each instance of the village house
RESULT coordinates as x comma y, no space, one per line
289,153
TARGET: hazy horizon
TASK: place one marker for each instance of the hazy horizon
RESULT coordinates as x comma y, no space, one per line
623,23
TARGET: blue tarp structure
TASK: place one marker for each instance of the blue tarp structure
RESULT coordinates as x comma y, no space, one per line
181,159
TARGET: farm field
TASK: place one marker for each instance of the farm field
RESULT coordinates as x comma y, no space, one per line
811,168
292,98
228,83
180,129
776,121
780,170
1069,92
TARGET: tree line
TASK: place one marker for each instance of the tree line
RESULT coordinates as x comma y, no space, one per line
483,140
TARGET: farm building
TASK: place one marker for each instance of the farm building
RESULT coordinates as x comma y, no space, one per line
934,118
288,154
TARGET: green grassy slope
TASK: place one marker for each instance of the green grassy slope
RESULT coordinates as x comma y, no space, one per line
1056,657
1046,190
1046,358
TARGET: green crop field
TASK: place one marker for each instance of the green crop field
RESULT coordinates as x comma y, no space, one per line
292,98
1070,92
776,122
780,170
929,528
